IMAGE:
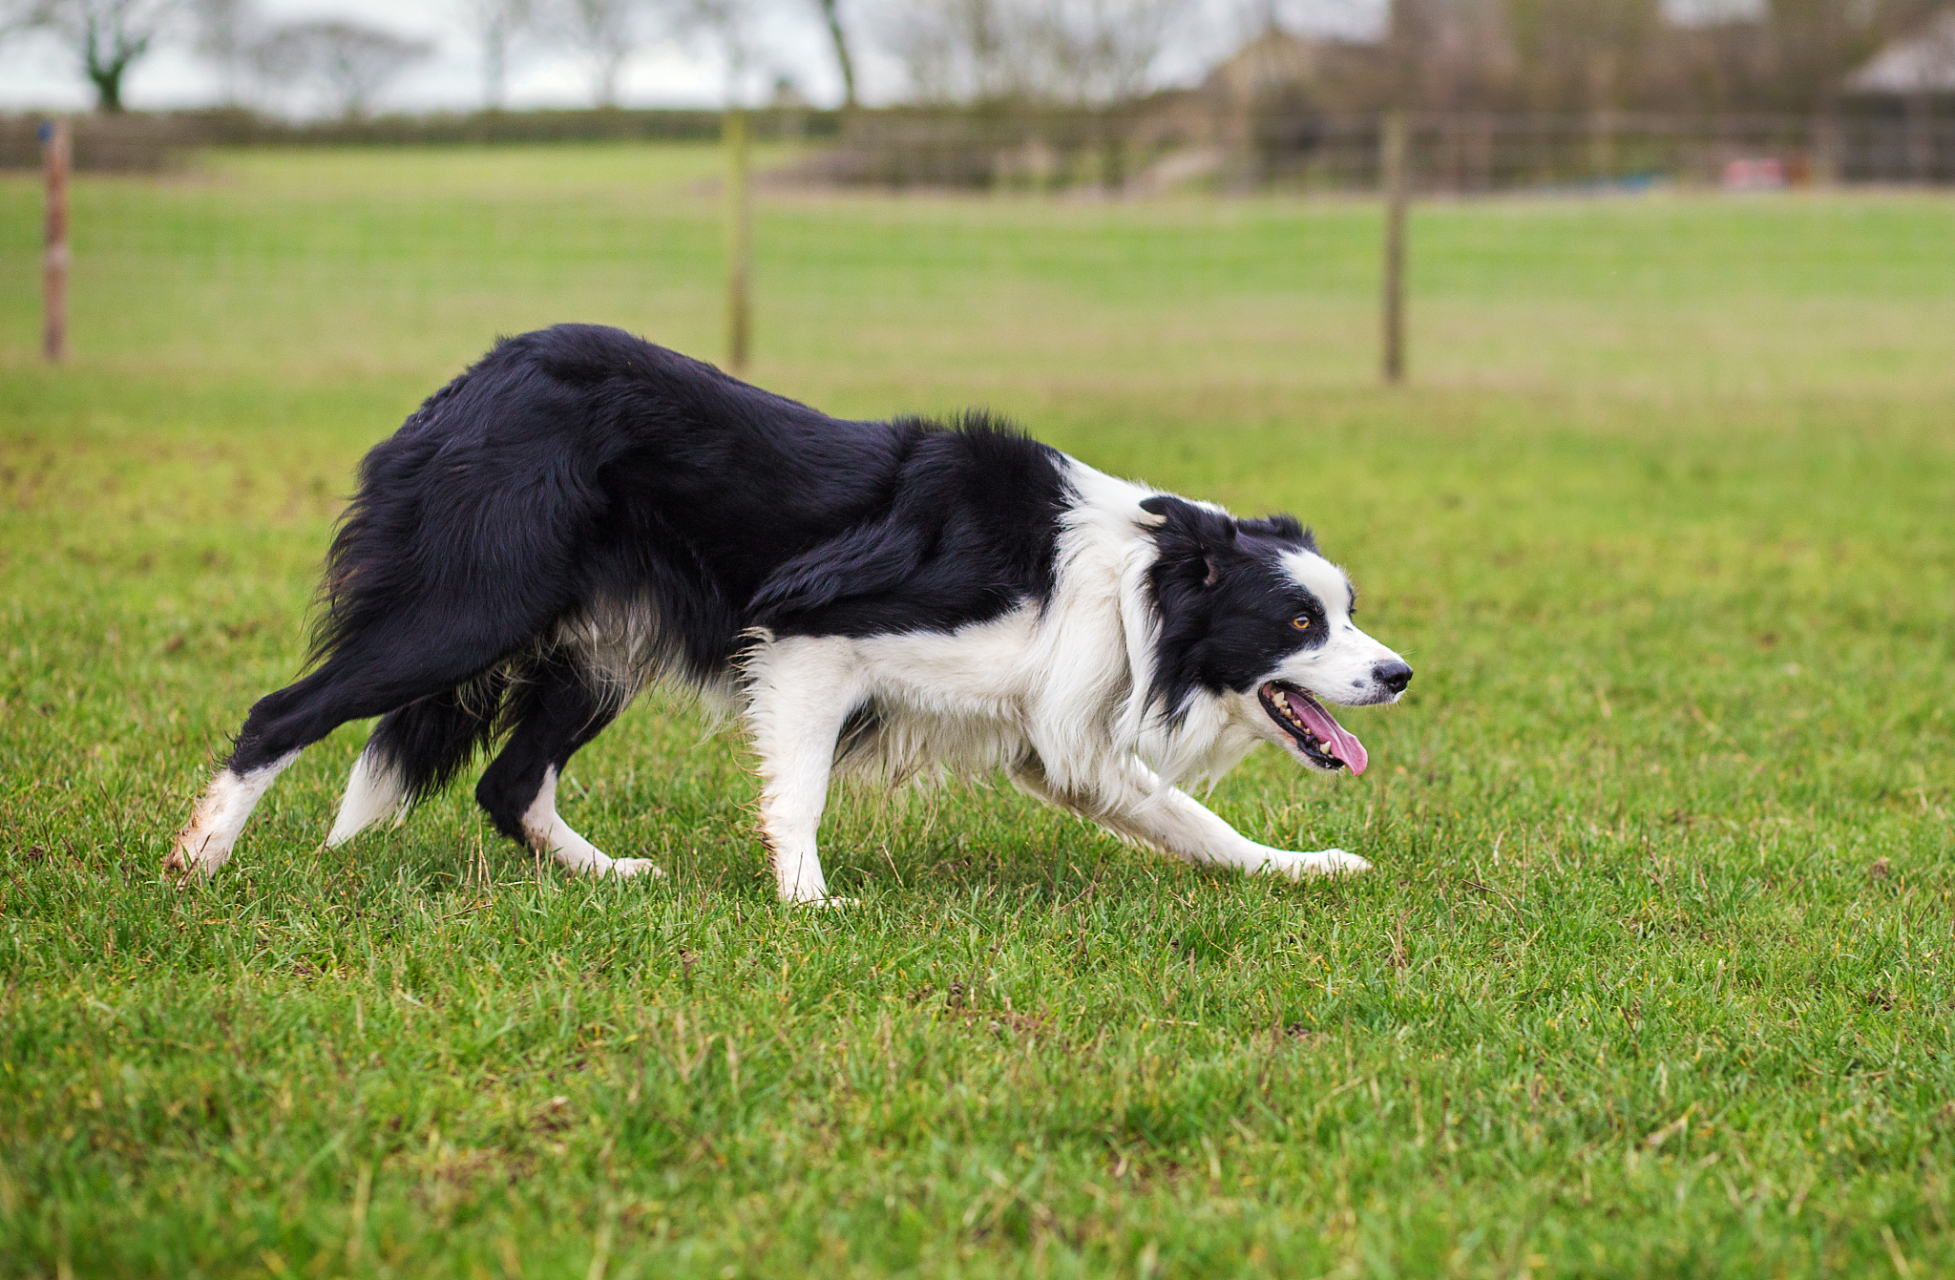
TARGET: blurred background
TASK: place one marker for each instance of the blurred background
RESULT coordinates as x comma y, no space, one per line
1684,193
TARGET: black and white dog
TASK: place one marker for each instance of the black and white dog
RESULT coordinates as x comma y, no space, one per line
583,513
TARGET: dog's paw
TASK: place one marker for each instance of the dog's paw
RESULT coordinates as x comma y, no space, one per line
818,898
625,868
1324,862
185,866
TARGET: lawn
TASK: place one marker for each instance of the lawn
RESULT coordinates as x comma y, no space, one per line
1652,977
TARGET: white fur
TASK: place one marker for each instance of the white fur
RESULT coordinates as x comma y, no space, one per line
548,833
1056,696
205,842
373,792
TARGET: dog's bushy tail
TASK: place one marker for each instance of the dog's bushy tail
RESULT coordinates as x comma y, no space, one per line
395,549
428,742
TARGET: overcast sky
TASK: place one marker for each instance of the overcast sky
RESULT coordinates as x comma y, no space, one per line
35,71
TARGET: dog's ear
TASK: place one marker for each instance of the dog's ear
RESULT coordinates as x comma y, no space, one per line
1196,537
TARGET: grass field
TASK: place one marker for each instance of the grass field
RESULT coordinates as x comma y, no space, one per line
1653,976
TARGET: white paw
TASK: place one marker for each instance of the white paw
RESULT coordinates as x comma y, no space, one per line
190,861
625,868
1324,862
813,896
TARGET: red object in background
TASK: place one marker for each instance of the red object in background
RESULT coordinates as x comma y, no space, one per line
1760,173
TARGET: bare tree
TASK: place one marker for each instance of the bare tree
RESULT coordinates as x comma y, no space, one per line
1587,55
226,31
732,27
831,16
1056,50
498,26
107,37
606,32
17,16
348,61
1101,50
960,50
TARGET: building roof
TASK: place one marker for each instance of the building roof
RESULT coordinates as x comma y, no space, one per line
1921,63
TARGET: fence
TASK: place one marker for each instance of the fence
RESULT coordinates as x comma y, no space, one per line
1169,143
1171,147
414,258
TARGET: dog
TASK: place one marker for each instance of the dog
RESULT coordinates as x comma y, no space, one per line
583,514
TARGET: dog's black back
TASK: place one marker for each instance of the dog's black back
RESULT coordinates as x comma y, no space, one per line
578,474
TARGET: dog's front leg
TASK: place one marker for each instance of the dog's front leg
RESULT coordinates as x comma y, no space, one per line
1139,806
800,692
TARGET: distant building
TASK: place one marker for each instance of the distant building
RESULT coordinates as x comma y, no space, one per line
1923,63
1278,66
1917,71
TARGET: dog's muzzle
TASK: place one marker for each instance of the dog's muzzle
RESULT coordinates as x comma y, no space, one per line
1324,742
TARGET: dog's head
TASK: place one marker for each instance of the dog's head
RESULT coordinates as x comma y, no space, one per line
1253,615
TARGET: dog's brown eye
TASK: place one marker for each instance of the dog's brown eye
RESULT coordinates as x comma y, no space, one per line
1301,622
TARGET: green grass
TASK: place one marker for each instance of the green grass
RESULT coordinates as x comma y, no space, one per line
1650,979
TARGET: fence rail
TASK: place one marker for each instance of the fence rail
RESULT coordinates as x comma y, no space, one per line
1134,151
1159,146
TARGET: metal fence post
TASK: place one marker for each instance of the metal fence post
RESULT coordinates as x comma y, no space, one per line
55,157
1391,164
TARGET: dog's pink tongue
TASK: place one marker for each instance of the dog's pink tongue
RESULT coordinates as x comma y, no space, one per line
1336,739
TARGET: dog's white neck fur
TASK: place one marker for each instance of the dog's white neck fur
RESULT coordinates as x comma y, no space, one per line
1067,683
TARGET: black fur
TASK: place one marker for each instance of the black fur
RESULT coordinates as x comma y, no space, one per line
1225,602
579,468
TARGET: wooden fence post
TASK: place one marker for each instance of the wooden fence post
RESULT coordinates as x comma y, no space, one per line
1391,164
739,241
55,157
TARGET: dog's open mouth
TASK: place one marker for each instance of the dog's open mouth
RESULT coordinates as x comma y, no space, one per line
1326,743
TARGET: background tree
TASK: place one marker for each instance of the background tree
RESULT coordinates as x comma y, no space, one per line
17,16
959,50
347,61
732,29
606,32
831,17
1046,50
225,33
108,37
1449,55
1101,50
1582,55
498,27
1815,44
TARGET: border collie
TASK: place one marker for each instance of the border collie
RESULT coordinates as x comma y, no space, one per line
583,513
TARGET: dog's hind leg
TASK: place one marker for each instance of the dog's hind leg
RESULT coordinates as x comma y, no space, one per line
352,685
280,726
800,692
1140,807
561,709
414,751
375,790
205,842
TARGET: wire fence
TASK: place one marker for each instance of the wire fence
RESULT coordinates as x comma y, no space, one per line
298,262
1168,143
1182,145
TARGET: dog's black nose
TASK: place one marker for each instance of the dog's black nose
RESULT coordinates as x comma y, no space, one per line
1394,675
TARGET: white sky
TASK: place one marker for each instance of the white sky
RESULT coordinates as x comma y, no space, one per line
36,72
